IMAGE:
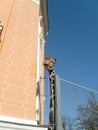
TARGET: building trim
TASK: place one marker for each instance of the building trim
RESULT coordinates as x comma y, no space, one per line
17,120
17,126
38,77
39,64
44,13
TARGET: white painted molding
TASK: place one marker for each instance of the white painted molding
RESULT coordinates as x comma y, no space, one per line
38,73
41,28
13,126
44,13
17,120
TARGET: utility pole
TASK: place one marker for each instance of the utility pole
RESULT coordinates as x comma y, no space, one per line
58,108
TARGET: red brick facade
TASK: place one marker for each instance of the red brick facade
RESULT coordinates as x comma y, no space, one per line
18,58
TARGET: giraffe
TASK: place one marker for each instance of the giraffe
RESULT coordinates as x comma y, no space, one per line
49,66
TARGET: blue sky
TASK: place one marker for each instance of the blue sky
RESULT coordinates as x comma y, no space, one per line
73,40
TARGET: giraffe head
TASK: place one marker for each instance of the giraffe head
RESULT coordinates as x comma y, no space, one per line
49,63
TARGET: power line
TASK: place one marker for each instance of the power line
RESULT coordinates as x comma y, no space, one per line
79,86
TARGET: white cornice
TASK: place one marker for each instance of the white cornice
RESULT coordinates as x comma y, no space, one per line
9,123
12,126
17,120
44,13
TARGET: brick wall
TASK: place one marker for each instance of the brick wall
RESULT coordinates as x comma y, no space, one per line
18,58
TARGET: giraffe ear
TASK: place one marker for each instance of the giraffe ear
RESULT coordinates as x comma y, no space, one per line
55,60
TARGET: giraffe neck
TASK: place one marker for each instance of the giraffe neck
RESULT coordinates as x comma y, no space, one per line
52,100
